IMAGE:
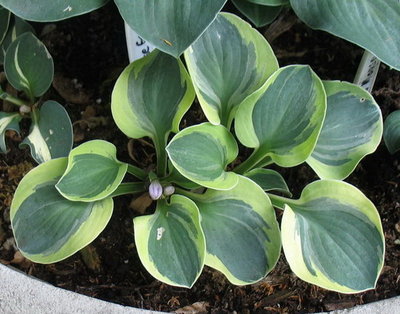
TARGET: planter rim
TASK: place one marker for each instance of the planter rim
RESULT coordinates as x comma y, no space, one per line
21,293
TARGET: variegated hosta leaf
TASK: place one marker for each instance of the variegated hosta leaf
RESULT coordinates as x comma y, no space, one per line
227,63
47,227
259,15
270,2
8,121
269,180
242,234
171,25
51,133
352,129
51,10
201,154
151,96
171,243
175,176
391,133
282,120
93,172
332,237
4,22
371,24
29,66
16,27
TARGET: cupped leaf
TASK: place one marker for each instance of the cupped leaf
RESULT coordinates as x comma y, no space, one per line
28,65
52,10
8,121
241,230
259,15
151,96
93,172
171,243
282,120
268,180
391,133
270,2
371,24
51,133
16,28
352,129
47,227
201,154
332,237
227,63
171,25
4,23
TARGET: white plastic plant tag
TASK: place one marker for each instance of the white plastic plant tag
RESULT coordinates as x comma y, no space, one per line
367,71
137,46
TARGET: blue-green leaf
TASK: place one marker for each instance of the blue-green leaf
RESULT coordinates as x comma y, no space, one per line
391,133
8,121
268,180
259,15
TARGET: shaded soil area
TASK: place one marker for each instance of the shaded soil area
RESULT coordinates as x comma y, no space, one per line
89,54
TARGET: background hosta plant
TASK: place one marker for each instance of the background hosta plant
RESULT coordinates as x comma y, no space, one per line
332,235
29,69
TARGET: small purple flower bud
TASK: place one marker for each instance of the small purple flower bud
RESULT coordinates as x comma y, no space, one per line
24,109
169,190
155,190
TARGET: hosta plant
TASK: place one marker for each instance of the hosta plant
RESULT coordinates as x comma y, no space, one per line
28,68
211,209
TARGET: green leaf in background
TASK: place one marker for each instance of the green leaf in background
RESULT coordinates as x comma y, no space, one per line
371,24
171,243
241,230
4,23
332,237
17,27
29,66
259,15
268,180
151,96
391,133
171,25
227,63
282,120
50,134
201,154
8,121
93,172
47,227
270,2
352,129
51,10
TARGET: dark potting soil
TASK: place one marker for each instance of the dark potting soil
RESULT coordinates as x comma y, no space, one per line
89,54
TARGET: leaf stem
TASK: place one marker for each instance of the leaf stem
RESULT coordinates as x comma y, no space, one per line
129,188
256,158
137,172
279,201
160,144
191,195
10,98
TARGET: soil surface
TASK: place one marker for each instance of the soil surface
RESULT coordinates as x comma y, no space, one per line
89,54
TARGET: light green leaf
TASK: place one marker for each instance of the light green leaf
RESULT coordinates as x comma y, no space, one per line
51,133
29,66
47,227
51,10
201,154
17,27
371,24
352,129
391,133
171,25
259,15
171,243
8,121
270,2
93,172
4,23
227,63
282,120
241,230
268,180
151,96
332,237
